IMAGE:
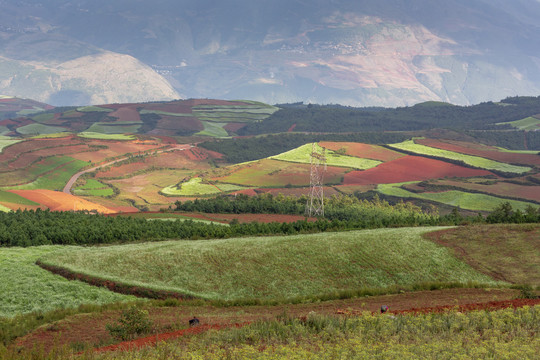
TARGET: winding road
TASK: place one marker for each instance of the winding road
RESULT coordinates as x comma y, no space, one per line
74,178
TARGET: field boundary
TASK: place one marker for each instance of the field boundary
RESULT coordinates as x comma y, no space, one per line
114,286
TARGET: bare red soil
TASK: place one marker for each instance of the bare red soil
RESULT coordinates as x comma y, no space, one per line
247,218
233,127
59,201
177,123
482,151
366,151
410,168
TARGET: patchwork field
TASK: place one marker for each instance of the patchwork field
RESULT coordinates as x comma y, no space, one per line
410,168
59,201
273,173
488,152
463,200
474,161
231,269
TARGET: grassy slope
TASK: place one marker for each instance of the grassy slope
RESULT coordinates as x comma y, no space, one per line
275,267
25,287
509,252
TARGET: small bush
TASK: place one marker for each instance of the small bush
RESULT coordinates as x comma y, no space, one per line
132,322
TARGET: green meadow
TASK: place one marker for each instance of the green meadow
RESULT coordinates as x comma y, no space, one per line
275,267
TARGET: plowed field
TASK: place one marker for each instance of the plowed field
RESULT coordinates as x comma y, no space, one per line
410,168
366,151
59,201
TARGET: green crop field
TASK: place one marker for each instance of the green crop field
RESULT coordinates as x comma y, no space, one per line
36,129
101,136
93,188
110,128
43,118
527,124
25,287
5,142
302,154
159,112
465,200
214,129
277,267
93,108
9,197
193,187
53,174
470,160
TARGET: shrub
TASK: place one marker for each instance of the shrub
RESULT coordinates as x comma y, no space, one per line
132,322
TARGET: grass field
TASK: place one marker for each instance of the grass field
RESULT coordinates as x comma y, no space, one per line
113,128
503,334
192,187
5,142
25,287
507,252
93,188
214,129
97,135
465,200
37,129
527,124
275,267
92,109
302,155
64,167
6,196
470,160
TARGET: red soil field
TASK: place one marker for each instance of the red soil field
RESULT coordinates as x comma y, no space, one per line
366,151
410,168
126,114
199,154
59,201
233,127
247,218
487,152
12,151
183,123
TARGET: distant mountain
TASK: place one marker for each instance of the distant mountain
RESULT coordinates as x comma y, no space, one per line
361,53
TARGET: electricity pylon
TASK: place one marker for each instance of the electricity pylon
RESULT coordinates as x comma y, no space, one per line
315,205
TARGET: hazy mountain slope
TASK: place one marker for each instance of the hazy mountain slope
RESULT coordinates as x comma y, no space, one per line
389,52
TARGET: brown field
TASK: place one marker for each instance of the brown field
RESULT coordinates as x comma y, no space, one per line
410,168
233,127
485,151
126,113
59,201
183,123
365,151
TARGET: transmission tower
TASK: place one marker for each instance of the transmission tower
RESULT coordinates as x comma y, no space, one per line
315,205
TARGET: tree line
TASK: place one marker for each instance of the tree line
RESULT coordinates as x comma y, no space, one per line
323,118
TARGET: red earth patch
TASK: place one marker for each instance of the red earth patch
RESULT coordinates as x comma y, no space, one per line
410,168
